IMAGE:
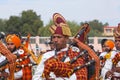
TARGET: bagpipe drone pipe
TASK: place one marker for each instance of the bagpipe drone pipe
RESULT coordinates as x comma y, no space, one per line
94,67
60,68
11,58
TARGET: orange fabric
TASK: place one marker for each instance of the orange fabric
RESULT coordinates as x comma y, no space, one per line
116,59
11,58
27,72
25,47
92,55
109,43
62,69
27,41
13,38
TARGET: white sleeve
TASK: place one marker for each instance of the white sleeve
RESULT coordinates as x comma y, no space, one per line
102,54
2,58
72,77
18,74
39,70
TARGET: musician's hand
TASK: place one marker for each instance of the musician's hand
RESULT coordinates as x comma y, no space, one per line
12,58
109,74
4,74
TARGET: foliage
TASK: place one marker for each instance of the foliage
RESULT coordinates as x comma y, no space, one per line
13,24
44,31
30,22
74,27
96,28
2,25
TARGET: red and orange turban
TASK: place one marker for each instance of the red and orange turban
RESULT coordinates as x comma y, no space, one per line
13,38
60,26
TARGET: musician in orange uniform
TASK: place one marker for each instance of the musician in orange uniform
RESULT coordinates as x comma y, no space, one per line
55,64
23,70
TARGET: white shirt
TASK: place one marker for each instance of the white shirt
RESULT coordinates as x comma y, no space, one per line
108,64
2,58
40,67
103,54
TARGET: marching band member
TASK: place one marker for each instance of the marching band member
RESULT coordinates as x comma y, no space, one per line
23,70
115,72
9,57
107,57
60,35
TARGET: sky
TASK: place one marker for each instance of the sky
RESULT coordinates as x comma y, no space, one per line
72,10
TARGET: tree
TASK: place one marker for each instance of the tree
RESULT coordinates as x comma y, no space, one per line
2,25
29,21
26,29
44,31
13,24
32,20
96,28
74,27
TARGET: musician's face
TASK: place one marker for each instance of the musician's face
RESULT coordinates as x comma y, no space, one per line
60,41
11,46
117,44
86,25
107,48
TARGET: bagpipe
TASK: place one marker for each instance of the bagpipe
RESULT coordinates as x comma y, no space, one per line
60,68
31,52
14,60
11,58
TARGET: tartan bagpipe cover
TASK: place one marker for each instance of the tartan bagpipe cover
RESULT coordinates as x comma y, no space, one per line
64,69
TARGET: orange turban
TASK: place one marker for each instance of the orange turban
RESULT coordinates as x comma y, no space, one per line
13,38
110,43
60,27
